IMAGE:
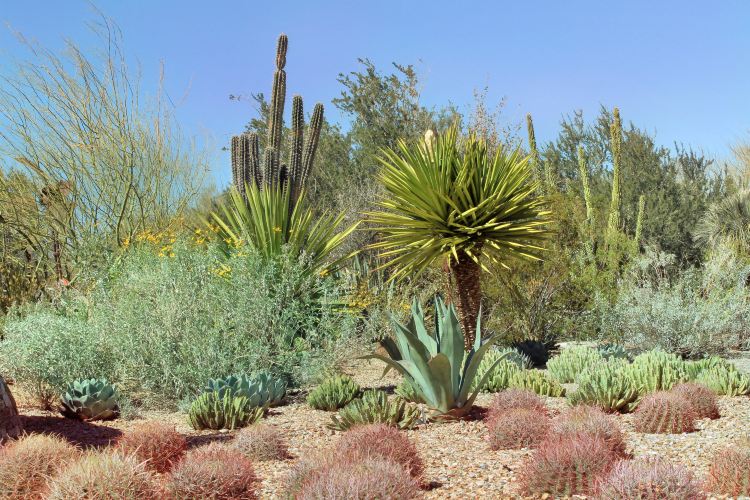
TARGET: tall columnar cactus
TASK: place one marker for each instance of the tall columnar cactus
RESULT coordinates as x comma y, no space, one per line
639,220
248,167
616,201
532,143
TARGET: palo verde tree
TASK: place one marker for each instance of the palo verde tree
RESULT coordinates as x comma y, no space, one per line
448,200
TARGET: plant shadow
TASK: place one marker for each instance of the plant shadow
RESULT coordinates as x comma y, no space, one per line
83,434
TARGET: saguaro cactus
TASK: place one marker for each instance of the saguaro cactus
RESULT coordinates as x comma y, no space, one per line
246,158
10,424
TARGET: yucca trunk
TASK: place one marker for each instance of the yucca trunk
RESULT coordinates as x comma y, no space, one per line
466,273
10,424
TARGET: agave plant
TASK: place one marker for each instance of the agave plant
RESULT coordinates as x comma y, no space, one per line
435,363
452,201
92,399
262,390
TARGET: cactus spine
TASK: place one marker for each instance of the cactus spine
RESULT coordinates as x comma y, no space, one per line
247,166
615,204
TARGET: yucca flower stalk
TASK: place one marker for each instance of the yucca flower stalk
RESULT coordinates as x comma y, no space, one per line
450,200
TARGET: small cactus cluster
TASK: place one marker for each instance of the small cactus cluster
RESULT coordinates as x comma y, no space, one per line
26,464
157,445
261,443
262,389
213,471
665,413
605,386
591,421
216,410
729,473
269,171
536,381
655,370
406,391
372,461
701,397
91,399
500,377
725,381
693,368
375,408
334,393
566,366
571,465
516,428
649,479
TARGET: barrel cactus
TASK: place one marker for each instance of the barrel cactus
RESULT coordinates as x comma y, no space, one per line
650,479
91,399
10,424
216,410
604,385
665,413
701,397
725,381
567,365
516,428
536,381
730,471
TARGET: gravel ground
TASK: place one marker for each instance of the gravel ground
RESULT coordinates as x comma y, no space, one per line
459,464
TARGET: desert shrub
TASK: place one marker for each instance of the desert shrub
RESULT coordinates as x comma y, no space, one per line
567,365
214,472
261,443
370,478
106,476
156,444
729,473
334,393
650,479
26,464
383,441
516,398
516,428
691,312
160,327
568,466
592,421
701,397
664,413
725,381
538,382
605,385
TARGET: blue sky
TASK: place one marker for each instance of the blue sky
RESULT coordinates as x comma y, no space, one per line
680,69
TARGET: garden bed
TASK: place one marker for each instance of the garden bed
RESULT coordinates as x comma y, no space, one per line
458,462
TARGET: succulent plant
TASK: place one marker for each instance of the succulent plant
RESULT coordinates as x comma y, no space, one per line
383,441
604,385
516,398
567,365
725,381
693,368
92,399
701,397
535,350
537,382
214,410
334,393
262,389
374,408
216,472
513,355
592,421
435,362
157,445
516,428
729,473
649,479
664,413
566,467
261,443
10,424
612,351
655,370
500,376
407,392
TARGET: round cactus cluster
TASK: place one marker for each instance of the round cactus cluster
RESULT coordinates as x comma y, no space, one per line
665,413
26,464
649,479
382,441
516,398
261,442
701,397
216,472
570,465
105,476
158,445
592,421
517,428
729,473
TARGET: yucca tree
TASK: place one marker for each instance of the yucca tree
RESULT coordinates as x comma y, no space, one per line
449,200
726,222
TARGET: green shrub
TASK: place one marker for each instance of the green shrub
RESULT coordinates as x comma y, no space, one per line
536,381
212,410
375,408
567,365
334,393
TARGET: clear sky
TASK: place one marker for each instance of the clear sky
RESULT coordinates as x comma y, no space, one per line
680,69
